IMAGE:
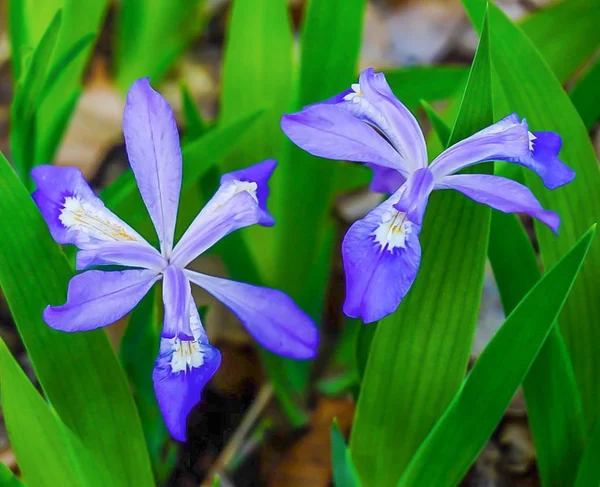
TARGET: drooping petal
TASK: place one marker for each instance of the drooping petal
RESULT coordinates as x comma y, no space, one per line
258,174
374,102
130,254
508,140
270,316
331,131
237,203
98,298
152,143
182,370
385,180
381,256
501,194
415,194
73,213
176,298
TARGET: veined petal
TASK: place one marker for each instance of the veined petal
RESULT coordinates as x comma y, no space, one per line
372,100
501,194
130,254
508,140
73,213
152,143
270,316
239,202
98,298
182,369
176,298
330,131
385,180
415,194
381,256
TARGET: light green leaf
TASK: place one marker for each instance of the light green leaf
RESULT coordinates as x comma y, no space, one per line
533,92
344,472
419,354
452,446
159,27
588,474
79,372
7,478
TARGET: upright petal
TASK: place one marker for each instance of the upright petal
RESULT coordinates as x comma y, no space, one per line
385,180
374,102
501,194
330,131
239,202
176,298
381,256
508,140
130,254
182,369
270,316
73,213
415,194
98,298
152,143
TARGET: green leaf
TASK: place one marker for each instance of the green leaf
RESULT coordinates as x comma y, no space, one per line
79,372
437,122
47,452
419,354
566,34
159,27
195,126
429,83
216,481
344,472
588,474
452,446
7,478
586,96
532,91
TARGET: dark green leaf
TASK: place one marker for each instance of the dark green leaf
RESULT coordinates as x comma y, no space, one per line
7,478
585,95
588,474
344,472
452,446
439,125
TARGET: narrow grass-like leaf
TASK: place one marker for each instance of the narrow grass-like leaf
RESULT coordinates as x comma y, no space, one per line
419,354
79,372
195,125
566,33
585,95
437,122
452,446
344,472
588,474
9,479
533,91
429,83
160,27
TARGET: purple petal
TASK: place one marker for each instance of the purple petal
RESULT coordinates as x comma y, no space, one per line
385,180
374,102
73,213
260,174
381,256
501,194
182,370
332,132
176,298
154,153
415,194
270,316
508,140
98,298
235,205
130,254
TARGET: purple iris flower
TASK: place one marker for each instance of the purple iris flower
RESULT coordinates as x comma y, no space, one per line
368,124
75,215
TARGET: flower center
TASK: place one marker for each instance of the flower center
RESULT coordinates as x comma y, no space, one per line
186,355
393,230
93,221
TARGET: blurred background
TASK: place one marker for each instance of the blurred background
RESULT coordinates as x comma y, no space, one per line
239,429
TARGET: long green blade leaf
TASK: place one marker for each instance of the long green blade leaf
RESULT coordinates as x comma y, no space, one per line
344,472
585,95
588,474
419,354
445,456
79,372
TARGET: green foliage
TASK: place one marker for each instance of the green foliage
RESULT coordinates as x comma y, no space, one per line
78,372
588,474
159,27
461,432
7,478
344,472
586,96
419,353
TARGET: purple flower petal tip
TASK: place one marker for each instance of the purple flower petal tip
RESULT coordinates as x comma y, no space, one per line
554,172
259,174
